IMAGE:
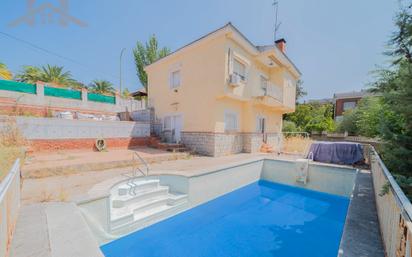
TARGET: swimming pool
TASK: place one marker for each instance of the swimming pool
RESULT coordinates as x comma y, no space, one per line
260,219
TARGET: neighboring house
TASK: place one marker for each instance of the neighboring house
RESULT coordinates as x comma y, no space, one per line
221,94
347,101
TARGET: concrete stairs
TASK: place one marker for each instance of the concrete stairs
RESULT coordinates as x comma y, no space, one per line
155,142
140,202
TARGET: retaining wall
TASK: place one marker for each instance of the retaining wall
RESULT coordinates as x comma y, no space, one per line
9,207
54,128
49,134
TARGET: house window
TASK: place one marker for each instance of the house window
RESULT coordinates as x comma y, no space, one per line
349,106
239,69
175,79
264,84
231,121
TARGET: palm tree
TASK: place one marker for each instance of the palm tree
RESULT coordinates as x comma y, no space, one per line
101,87
4,72
55,74
30,74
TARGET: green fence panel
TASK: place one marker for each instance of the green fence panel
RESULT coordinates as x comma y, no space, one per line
62,92
101,98
17,86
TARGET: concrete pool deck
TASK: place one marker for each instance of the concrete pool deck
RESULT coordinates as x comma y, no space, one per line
361,235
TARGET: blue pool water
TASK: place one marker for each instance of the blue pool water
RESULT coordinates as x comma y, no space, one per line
261,219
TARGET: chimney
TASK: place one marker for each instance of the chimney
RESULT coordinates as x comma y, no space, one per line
281,44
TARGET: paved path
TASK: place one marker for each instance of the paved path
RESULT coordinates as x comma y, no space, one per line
362,236
53,230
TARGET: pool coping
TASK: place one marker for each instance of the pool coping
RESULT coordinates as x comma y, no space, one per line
104,191
361,235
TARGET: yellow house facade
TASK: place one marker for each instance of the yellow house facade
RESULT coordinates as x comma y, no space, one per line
221,94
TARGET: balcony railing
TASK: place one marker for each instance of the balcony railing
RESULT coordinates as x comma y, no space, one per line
274,91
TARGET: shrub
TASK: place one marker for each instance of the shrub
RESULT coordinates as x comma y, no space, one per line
289,126
11,146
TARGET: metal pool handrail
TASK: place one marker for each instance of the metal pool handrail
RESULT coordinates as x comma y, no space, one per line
400,197
136,154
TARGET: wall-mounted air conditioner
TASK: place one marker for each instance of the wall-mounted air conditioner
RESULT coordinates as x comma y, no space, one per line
235,80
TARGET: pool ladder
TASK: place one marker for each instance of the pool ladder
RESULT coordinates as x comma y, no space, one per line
302,169
136,160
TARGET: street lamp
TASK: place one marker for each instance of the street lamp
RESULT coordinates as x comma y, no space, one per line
120,77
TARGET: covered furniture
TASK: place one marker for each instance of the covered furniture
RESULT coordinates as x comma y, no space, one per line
336,152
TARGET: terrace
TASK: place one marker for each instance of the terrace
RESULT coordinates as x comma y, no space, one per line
360,234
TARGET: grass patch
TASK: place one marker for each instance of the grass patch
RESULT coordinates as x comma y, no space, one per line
12,145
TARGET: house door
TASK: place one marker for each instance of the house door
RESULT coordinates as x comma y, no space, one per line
177,128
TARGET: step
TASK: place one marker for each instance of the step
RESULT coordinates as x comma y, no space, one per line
141,195
137,185
123,215
177,149
148,217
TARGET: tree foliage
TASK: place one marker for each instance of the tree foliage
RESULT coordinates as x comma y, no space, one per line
289,126
300,91
126,93
30,74
395,86
312,117
101,87
145,54
49,74
365,119
4,72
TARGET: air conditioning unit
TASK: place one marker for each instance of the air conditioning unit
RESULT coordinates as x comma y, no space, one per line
234,80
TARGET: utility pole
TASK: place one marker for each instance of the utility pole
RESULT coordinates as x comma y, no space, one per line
120,71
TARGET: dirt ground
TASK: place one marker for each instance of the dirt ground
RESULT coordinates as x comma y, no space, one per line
76,186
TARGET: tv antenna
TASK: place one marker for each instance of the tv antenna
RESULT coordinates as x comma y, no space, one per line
277,24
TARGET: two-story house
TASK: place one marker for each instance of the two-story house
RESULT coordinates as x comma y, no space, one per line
221,94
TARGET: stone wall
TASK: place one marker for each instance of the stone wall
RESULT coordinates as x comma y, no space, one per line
252,142
228,143
220,144
200,142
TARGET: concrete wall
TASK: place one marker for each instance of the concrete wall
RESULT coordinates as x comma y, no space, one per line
9,207
54,128
39,100
394,210
323,178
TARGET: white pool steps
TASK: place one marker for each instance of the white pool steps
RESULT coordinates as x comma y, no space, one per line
138,203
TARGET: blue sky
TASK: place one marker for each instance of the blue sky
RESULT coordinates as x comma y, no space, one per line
335,44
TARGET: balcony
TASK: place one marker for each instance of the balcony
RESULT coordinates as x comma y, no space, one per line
274,92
